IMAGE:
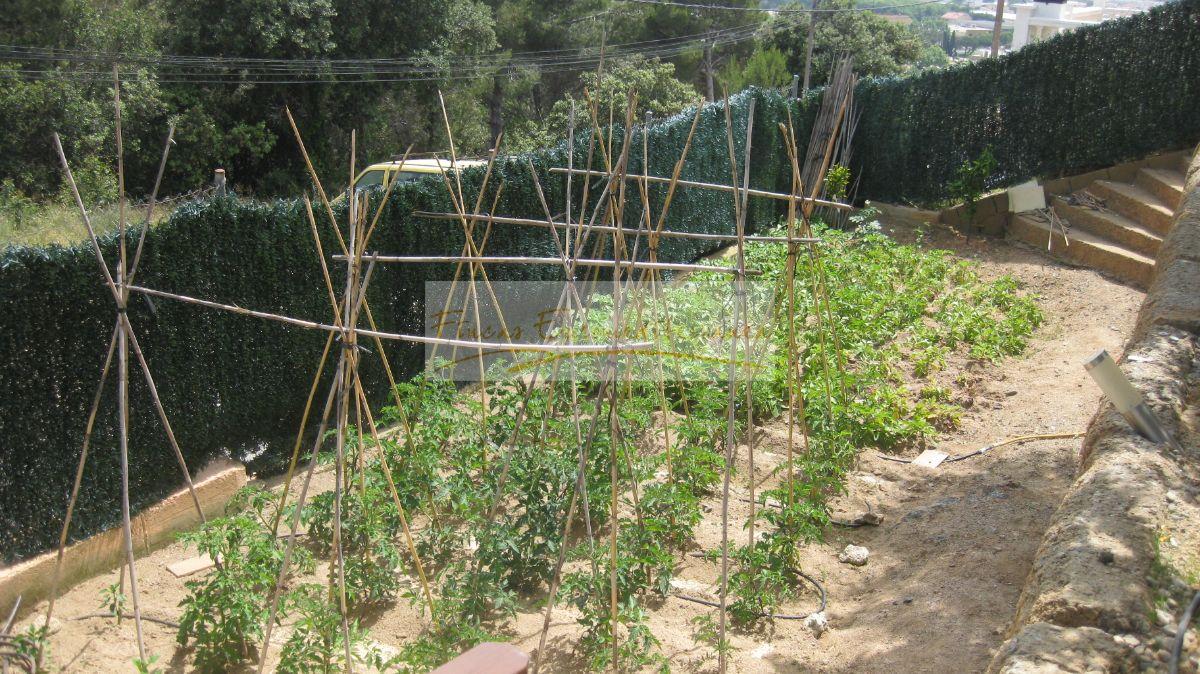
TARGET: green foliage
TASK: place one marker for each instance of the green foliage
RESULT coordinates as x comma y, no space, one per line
231,384
369,522
33,642
148,666
837,182
765,68
317,644
658,92
224,613
878,46
112,600
707,633
916,131
972,179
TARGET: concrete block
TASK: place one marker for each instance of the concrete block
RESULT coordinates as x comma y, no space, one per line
1079,182
1167,160
1125,173
1028,196
487,658
1056,186
186,567
152,528
952,216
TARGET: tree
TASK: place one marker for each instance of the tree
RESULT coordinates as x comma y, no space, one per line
879,47
77,106
765,68
658,92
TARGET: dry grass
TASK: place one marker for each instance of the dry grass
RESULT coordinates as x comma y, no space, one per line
59,224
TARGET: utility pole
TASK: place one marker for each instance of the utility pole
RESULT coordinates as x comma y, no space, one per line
708,70
997,27
808,45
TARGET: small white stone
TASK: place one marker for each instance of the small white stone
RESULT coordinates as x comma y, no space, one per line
762,651
1127,640
817,623
855,555
1164,618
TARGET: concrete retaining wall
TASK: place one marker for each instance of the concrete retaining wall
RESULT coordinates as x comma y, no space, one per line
153,528
1088,604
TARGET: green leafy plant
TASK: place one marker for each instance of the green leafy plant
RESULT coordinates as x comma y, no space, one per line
971,180
148,666
317,644
705,632
112,600
33,642
837,182
224,614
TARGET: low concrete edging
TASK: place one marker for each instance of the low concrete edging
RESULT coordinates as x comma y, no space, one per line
1088,602
153,528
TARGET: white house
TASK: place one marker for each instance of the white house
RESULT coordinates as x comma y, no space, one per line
1038,21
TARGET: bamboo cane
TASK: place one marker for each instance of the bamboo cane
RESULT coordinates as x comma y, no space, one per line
778,196
608,229
518,260
83,454
740,290
273,604
417,339
312,173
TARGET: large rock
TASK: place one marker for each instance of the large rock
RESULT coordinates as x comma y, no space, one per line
1041,648
1092,565
1174,296
854,555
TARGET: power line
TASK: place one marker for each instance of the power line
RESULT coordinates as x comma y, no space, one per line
240,70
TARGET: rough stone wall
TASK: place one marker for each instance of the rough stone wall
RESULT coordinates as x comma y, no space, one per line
1088,604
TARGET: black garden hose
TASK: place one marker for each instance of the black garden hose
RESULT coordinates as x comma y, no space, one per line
995,445
773,616
1181,634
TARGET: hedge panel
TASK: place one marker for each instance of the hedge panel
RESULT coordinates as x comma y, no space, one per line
1083,100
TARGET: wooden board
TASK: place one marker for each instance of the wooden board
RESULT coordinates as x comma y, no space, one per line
930,458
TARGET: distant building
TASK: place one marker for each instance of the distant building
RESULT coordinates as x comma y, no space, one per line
1037,21
951,17
900,19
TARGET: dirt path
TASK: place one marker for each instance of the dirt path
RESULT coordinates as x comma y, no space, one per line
946,565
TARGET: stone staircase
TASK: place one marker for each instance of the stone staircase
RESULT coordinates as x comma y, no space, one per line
1112,226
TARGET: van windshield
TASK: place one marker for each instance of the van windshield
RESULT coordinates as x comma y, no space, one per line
377,177
370,179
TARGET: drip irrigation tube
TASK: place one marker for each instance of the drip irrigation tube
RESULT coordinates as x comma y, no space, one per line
995,445
762,614
849,524
145,618
1181,634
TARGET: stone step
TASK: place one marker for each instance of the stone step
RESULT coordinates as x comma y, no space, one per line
1134,203
1165,184
1108,225
1085,249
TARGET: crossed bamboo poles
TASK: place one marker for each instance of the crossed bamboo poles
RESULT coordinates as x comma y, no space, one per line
347,388
122,339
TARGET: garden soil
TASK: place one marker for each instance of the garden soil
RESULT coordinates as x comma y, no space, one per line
946,564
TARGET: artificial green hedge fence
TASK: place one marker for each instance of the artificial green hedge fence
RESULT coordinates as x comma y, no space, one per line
234,385
1083,100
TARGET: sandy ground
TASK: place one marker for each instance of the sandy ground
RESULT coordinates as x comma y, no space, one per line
946,564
